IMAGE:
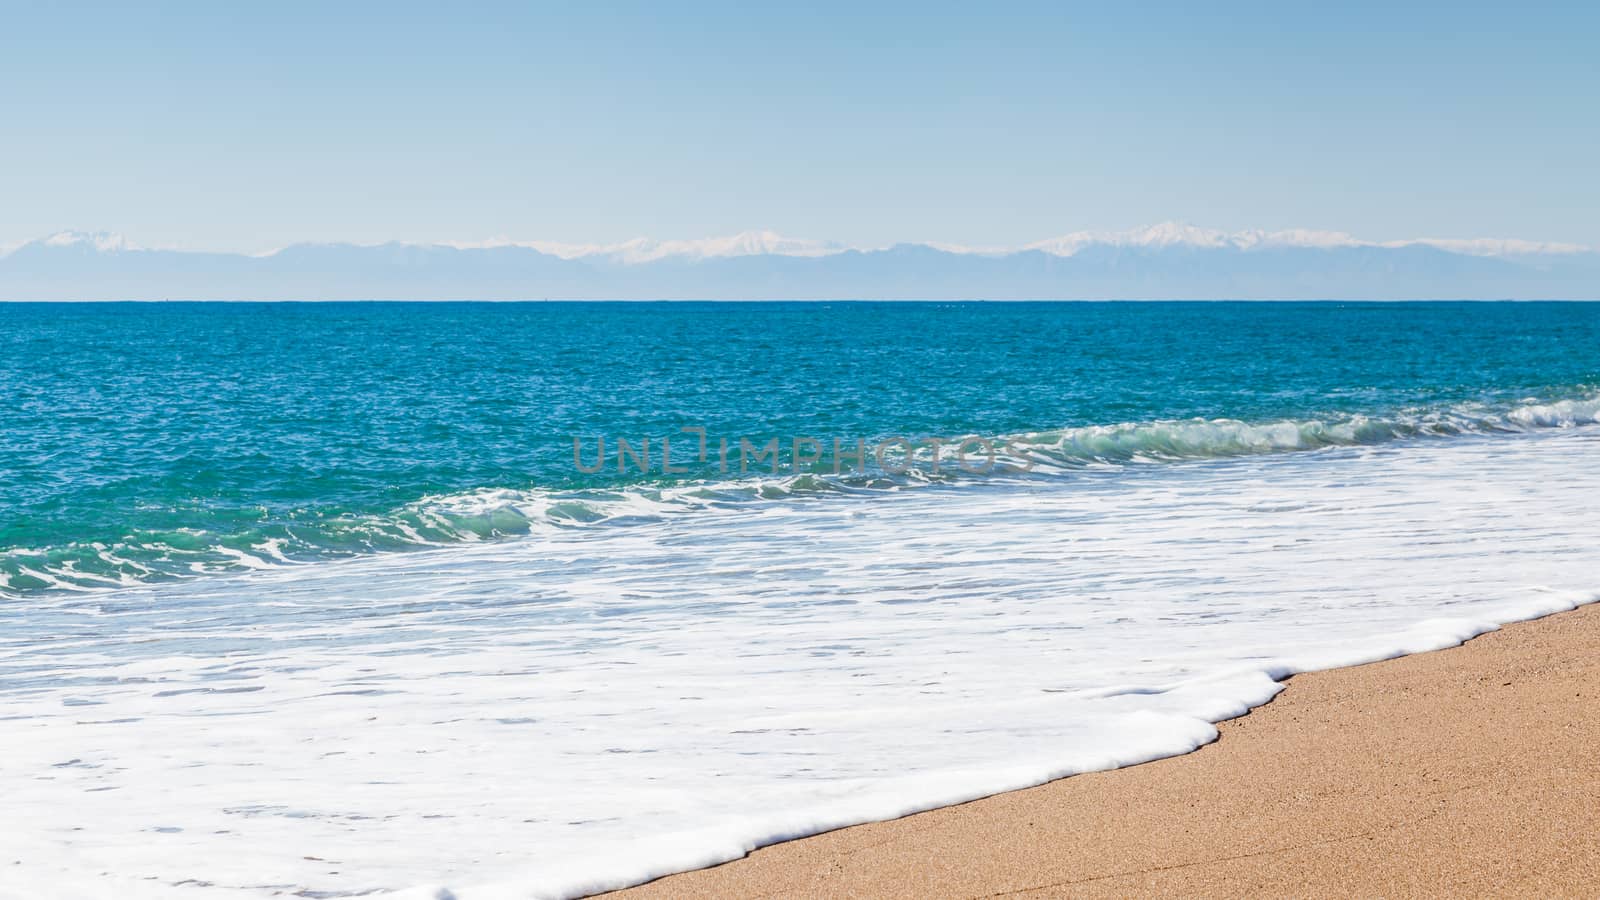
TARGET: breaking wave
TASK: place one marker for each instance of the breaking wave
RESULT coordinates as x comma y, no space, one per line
497,513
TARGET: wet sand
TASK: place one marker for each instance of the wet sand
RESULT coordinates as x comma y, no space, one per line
1470,771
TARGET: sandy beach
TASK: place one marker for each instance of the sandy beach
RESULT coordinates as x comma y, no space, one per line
1468,771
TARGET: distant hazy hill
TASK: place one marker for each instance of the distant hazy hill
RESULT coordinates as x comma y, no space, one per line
1168,261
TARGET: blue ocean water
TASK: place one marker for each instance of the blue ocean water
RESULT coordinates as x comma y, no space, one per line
155,441
316,600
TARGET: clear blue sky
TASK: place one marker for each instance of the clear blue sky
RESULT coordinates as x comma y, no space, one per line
250,125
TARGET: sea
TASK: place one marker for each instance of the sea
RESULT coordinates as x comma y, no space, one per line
481,600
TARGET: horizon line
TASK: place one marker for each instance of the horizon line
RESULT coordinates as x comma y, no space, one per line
641,250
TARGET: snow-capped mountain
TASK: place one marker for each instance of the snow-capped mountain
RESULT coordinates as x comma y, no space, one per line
1162,236
102,241
1177,234
643,250
1170,260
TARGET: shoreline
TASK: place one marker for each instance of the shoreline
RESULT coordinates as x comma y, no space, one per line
1467,769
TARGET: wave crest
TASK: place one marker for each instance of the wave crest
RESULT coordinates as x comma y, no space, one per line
495,513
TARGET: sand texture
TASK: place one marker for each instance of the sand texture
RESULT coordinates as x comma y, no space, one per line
1473,771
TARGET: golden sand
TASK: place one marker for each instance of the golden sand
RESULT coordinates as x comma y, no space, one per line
1473,771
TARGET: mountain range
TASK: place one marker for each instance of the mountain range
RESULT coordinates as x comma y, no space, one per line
1169,261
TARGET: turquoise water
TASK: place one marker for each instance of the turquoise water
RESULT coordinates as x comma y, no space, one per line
314,599
152,442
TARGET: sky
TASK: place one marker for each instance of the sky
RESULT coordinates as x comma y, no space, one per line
248,126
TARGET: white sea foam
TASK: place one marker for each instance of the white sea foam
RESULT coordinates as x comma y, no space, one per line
496,513
587,708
